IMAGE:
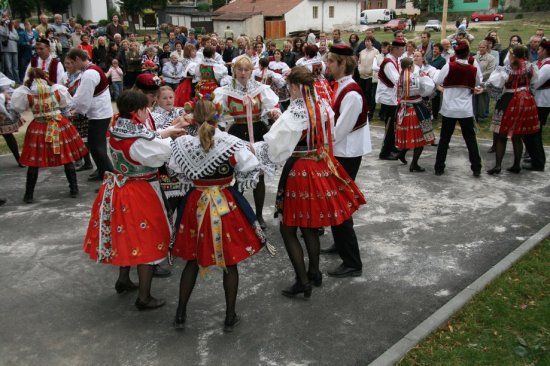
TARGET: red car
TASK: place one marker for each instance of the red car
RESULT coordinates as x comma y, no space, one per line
395,25
486,15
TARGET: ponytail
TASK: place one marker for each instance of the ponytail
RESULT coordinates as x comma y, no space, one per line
206,136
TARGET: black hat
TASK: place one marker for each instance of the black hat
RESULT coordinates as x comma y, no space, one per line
44,41
545,45
342,49
398,43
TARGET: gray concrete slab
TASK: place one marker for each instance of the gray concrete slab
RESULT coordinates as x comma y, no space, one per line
423,240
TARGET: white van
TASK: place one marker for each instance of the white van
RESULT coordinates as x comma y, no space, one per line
379,16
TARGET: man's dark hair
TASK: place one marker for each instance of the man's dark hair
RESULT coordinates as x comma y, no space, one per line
131,101
75,53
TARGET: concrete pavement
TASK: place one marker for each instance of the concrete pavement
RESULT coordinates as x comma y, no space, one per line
423,240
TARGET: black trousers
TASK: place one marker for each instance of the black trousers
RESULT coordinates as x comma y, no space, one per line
389,112
468,133
97,142
533,143
369,89
345,239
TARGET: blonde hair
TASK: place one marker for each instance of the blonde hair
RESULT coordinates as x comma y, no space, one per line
204,113
165,88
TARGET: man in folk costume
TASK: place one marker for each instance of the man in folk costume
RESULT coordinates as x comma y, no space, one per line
458,80
533,143
43,60
351,140
386,95
93,100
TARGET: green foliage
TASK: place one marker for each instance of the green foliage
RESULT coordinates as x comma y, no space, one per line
57,6
519,16
103,22
81,20
435,6
216,4
22,9
535,5
203,7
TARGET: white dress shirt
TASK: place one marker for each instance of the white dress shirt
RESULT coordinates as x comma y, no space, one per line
348,144
542,96
85,103
384,94
456,102
45,65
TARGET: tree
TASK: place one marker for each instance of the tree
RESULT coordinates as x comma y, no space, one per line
133,8
216,4
22,9
431,6
57,6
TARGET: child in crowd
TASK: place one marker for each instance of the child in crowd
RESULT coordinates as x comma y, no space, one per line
116,74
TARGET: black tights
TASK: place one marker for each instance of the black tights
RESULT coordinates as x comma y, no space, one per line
500,150
296,254
145,275
230,286
12,144
259,197
416,155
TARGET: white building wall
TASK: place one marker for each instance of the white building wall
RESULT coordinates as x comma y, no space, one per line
251,26
301,16
409,8
94,10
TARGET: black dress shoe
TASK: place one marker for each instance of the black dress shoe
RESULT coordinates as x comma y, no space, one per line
344,271
416,168
514,169
330,250
262,223
477,173
493,171
298,288
387,157
158,271
179,320
401,156
491,150
3,201
439,172
321,231
533,168
85,167
230,323
120,287
315,278
150,304
28,197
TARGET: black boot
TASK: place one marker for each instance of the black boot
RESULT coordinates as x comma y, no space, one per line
32,177
70,173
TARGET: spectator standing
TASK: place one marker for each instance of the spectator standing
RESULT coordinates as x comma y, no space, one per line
85,45
534,43
426,46
487,63
414,21
76,35
365,63
9,40
113,28
228,33
99,54
27,47
133,59
63,33
115,73
43,26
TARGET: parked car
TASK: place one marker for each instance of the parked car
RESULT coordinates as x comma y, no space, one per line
395,25
432,24
486,15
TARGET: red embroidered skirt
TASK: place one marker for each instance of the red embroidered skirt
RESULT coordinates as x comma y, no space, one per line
39,153
183,93
314,197
239,238
414,129
138,231
516,114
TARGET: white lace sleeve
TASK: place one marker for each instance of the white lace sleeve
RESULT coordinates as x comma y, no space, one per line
285,134
19,101
247,169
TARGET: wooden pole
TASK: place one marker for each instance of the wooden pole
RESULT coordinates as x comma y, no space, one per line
444,19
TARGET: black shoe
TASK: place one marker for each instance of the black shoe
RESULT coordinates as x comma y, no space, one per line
527,160
120,287
158,271
28,197
85,167
401,156
262,223
434,144
416,168
3,201
532,168
491,150
514,169
321,231
298,288
477,173
230,323
150,304
387,157
315,278
344,271
95,173
493,171
330,250
439,172
179,320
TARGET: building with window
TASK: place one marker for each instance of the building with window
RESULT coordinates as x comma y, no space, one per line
399,6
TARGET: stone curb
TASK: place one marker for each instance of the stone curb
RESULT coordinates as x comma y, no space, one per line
400,349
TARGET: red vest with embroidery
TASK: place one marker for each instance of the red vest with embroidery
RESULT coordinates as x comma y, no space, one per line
546,85
382,72
362,118
52,69
460,76
471,59
103,82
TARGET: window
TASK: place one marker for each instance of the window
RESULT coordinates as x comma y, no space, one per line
315,12
331,11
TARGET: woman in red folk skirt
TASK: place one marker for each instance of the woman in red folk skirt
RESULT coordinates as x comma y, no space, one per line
413,128
516,111
129,224
314,190
51,140
216,225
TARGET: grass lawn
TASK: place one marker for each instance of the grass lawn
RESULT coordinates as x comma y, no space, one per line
508,323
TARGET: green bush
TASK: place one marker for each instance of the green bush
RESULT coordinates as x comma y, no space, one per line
519,16
203,7
103,22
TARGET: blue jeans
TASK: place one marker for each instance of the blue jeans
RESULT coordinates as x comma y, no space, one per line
11,68
117,89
